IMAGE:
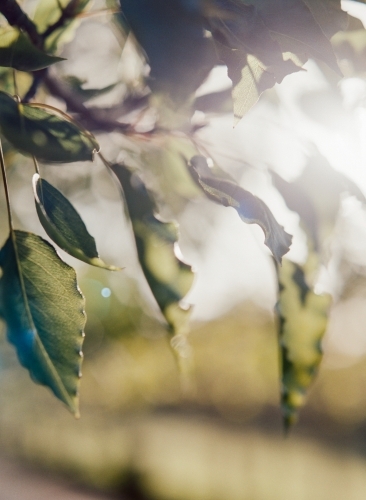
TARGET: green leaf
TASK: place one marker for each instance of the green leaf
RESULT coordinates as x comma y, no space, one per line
302,323
64,225
168,277
35,131
44,313
18,52
251,209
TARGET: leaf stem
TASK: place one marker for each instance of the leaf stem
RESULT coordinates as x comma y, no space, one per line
6,189
36,166
15,83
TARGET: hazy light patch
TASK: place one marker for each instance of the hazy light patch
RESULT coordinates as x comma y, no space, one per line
346,332
216,81
355,9
106,292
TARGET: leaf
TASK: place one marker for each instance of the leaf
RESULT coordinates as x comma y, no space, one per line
251,209
244,43
302,324
33,130
296,27
172,36
329,15
18,52
64,225
44,313
248,84
169,278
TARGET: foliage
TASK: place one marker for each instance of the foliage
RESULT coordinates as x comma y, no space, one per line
260,42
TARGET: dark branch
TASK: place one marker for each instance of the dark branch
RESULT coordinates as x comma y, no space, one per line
67,14
16,17
92,119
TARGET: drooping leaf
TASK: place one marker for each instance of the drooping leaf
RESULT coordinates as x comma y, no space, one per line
35,131
250,208
302,323
64,225
18,52
44,313
169,278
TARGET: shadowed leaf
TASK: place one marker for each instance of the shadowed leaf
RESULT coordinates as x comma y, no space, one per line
18,52
293,21
251,209
169,278
329,15
35,131
171,33
64,225
253,58
44,313
302,322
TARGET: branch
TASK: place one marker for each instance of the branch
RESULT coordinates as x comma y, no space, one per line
17,17
92,119
67,14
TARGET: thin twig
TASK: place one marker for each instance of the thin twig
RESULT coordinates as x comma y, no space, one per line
36,166
91,119
67,14
6,189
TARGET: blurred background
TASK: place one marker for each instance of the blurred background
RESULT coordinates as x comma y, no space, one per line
141,435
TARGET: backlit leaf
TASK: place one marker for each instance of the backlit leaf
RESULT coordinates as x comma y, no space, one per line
18,52
44,313
244,43
35,131
64,225
169,278
302,323
248,84
251,209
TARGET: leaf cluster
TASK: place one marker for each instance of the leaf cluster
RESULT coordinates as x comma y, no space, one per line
260,42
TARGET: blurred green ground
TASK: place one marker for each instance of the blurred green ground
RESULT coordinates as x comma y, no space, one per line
222,440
